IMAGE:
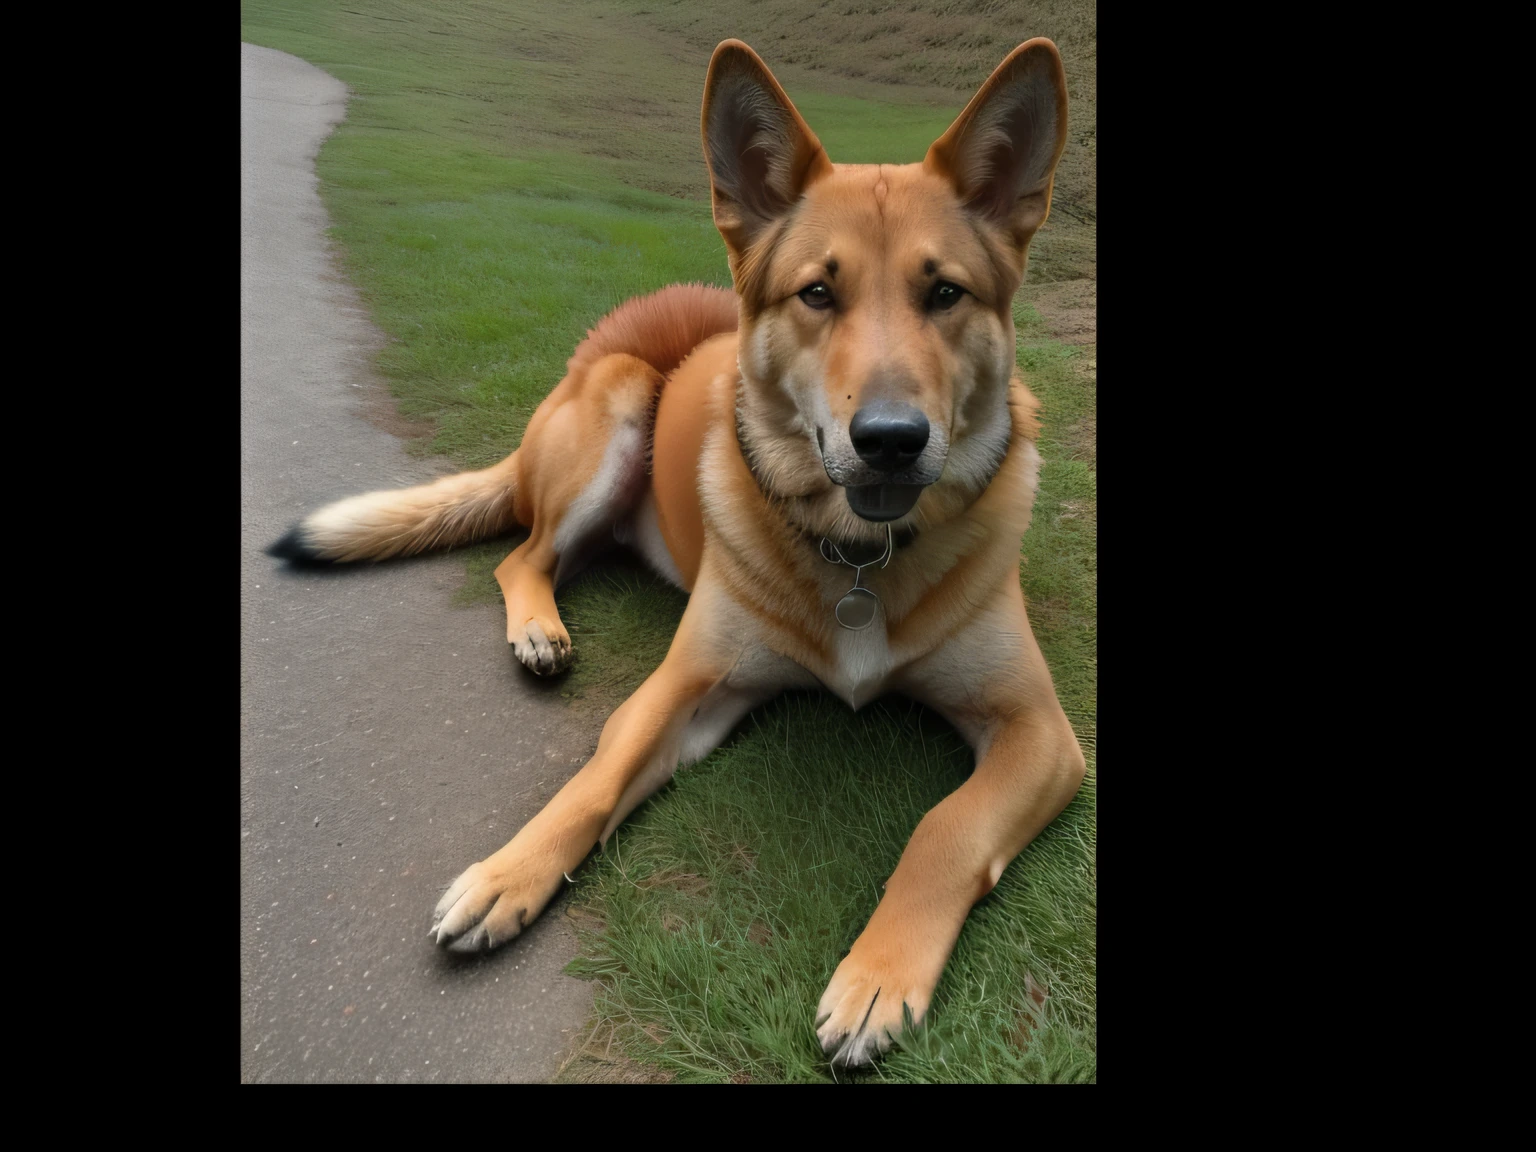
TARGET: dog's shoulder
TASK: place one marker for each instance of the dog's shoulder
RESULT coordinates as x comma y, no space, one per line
695,399
1008,500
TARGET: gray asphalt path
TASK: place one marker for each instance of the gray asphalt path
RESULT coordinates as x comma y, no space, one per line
387,740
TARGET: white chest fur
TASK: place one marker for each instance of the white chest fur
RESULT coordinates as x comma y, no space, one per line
863,663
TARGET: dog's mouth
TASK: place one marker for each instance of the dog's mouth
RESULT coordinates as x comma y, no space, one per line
882,502
875,494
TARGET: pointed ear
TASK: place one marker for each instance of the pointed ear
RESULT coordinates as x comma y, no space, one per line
1000,154
761,154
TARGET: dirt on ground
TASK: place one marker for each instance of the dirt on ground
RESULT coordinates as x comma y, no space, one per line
1069,309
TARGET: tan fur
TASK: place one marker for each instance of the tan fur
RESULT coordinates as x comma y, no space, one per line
659,330
745,429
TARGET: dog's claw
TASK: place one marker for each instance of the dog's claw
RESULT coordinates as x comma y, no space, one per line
475,940
543,647
486,907
863,1010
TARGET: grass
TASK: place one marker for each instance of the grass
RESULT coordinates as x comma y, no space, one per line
904,52
717,916
507,173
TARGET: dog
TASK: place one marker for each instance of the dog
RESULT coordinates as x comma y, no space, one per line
837,463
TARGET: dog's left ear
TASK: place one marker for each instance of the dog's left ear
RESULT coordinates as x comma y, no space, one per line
761,153
1000,154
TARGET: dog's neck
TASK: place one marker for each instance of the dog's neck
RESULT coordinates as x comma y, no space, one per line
900,538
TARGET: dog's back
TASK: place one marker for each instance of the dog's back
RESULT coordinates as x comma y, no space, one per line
660,329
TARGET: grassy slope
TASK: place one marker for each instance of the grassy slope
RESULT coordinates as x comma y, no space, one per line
506,174
916,51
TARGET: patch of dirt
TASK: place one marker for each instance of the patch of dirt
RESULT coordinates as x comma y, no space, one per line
1050,612
1029,1019
1069,309
599,1059
742,857
685,882
1081,441
381,410
759,934
586,920
620,1070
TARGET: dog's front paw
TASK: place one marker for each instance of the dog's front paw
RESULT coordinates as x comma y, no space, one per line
544,646
490,904
861,1012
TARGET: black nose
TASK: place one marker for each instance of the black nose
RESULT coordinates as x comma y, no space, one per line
887,435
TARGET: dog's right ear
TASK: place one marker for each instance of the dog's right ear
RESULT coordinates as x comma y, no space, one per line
761,154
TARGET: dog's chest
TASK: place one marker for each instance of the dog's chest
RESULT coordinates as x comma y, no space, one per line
861,664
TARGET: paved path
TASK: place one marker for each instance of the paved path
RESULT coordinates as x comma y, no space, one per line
387,740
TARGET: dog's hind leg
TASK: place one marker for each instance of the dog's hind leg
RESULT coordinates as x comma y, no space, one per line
582,469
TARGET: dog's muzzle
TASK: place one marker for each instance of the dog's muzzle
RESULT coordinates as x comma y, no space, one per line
889,440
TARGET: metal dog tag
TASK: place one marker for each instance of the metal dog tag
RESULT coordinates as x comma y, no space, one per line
856,610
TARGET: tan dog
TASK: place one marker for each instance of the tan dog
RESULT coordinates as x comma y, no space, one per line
857,396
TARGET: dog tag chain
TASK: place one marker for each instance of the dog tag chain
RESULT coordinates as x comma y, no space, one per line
856,610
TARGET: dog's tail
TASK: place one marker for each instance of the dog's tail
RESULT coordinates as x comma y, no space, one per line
660,329
454,510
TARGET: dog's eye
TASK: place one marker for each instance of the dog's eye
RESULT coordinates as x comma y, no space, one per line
817,296
945,295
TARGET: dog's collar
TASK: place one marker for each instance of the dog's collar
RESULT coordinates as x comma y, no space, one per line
899,538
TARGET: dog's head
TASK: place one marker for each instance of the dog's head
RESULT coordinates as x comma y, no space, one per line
877,338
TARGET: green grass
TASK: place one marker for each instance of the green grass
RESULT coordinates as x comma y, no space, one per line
871,131
724,908
507,173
